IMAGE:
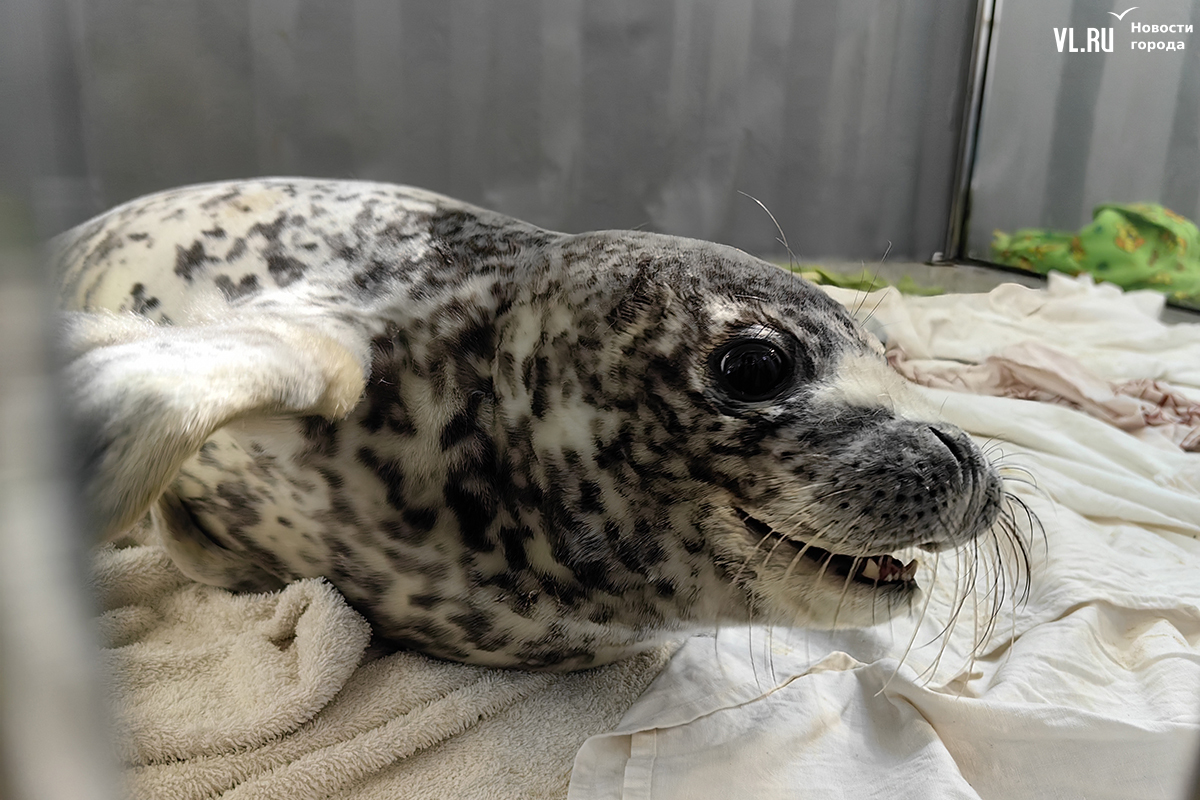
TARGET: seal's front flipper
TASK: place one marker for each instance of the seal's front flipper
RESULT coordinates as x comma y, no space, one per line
145,397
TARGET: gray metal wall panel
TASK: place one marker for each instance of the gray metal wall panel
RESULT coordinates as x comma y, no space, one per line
840,116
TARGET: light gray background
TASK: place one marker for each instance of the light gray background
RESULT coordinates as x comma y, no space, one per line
1062,133
842,117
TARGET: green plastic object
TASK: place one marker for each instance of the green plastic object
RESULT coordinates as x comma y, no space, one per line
1135,246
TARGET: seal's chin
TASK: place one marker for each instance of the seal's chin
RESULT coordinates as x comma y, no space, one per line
877,570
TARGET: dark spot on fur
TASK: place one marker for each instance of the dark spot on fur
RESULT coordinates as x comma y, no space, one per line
651,552
269,231
384,404
369,280
616,451
241,505
247,286
321,435
473,623
423,519
424,601
285,269
590,497
191,260
236,250
142,304
625,550
474,513
459,427
568,594
334,480
389,472
538,404
513,541
476,340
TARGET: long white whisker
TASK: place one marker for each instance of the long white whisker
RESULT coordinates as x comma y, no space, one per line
916,628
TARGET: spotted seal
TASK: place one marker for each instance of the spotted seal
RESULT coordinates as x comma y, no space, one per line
504,445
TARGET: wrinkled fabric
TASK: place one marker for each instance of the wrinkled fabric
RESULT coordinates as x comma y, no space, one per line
1116,335
1034,371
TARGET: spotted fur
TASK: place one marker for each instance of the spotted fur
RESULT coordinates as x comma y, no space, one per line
503,445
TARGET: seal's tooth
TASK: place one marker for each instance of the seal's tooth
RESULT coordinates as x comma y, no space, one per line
870,570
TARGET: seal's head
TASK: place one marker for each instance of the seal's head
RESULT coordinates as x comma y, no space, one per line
726,434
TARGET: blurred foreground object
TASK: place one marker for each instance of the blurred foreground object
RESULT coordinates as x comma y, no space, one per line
52,735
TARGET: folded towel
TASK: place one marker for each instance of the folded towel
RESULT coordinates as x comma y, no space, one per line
276,695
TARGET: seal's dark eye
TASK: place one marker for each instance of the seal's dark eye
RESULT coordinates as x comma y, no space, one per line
752,369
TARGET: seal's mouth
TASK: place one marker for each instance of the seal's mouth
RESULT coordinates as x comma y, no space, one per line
874,570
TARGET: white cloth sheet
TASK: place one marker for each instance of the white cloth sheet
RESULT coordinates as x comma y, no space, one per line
1089,689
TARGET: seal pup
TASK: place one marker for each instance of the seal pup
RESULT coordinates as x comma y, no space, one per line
503,445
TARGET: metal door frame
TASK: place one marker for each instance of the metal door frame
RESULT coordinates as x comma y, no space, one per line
979,71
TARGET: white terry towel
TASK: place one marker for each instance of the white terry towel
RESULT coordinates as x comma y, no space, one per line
264,696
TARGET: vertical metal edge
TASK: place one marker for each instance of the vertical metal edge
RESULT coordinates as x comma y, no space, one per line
54,734
987,15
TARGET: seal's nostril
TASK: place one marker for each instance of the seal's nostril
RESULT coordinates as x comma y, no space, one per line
955,447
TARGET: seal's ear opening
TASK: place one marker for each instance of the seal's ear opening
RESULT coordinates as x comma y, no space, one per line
643,302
